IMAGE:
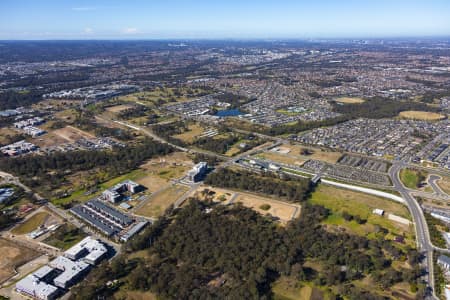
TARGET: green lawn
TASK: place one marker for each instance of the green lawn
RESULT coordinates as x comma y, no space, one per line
412,178
31,224
339,201
65,237
79,195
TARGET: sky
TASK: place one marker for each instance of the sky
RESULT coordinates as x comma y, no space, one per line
224,19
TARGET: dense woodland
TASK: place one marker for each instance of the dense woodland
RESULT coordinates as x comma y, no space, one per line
11,99
50,170
235,253
218,145
291,189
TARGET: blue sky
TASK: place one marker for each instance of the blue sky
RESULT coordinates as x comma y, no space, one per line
157,19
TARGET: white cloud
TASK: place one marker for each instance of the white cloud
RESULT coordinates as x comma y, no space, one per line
130,30
88,30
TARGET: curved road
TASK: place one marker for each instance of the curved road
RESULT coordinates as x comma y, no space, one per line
422,234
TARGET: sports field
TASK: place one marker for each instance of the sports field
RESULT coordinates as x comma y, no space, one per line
350,100
421,115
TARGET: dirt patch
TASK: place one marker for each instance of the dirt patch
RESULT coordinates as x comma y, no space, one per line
280,210
13,255
444,184
72,134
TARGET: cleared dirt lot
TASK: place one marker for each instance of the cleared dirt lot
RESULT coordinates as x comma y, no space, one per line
13,255
279,209
421,115
444,184
292,154
71,134
171,166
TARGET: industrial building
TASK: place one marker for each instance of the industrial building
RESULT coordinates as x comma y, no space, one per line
198,171
52,280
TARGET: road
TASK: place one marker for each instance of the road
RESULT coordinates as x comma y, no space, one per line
432,181
423,240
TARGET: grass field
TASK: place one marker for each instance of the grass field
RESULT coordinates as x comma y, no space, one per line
118,108
444,184
412,178
189,136
288,288
65,236
350,100
13,255
281,210
421,115
160,201
362,205
31,223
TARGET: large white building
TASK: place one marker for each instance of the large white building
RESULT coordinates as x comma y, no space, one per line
198,171
36,287
52,280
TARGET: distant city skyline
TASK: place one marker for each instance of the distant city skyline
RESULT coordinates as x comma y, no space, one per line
202,19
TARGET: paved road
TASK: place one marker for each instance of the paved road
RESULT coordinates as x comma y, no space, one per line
432,181
424,244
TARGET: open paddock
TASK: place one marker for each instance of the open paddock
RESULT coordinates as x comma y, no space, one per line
189,136
72,134
161,200
13,255
444,184
281,210
118,108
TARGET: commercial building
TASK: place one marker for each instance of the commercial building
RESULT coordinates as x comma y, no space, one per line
94,249
115,194
52,280
35,285
198,171
72,271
